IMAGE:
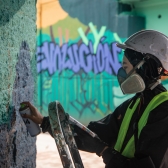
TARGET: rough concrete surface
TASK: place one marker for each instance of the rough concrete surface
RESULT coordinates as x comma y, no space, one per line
17,72
48,157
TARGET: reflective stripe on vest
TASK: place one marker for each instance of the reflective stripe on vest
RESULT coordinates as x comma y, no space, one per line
129,149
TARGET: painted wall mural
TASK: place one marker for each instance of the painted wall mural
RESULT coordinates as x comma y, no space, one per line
77,61
97,57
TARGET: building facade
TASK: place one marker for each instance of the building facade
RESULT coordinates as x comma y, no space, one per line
76,52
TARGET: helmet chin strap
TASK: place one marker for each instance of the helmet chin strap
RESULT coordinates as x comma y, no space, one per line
157,80
153,85
136,67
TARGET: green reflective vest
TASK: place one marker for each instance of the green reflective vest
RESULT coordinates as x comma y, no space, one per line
129,149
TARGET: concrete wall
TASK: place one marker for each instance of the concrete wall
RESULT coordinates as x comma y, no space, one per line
154,11
17,72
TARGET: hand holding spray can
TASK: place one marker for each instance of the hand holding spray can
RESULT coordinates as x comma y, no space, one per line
32,127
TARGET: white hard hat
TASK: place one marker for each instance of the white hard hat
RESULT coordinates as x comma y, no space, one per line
151,42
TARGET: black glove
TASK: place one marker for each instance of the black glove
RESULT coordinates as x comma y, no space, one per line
46,127
113,158
141,163
86,142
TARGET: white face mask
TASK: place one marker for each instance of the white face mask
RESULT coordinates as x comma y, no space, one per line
132,82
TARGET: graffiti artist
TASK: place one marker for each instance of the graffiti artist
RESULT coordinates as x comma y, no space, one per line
135,135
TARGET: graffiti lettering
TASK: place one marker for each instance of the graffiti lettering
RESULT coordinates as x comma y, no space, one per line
54,58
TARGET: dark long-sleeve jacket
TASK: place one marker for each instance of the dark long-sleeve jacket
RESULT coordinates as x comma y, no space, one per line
153,140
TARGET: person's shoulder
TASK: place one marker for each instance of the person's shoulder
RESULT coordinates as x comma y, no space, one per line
124,105
160,88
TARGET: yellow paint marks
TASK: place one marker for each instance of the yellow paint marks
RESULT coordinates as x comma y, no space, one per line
48,13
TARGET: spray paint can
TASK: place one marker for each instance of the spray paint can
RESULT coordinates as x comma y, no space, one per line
32,127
